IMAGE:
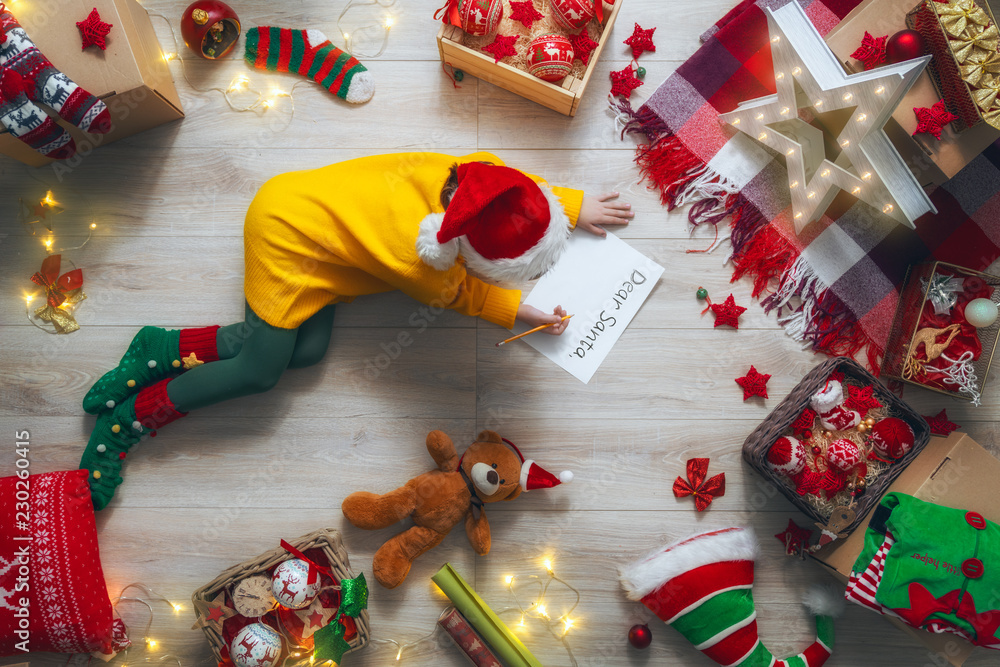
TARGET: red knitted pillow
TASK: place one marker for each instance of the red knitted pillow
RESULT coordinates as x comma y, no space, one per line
52,591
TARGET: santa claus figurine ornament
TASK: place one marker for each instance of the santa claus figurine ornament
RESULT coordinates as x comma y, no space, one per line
210,28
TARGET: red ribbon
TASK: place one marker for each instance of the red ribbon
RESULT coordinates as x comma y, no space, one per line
55,285
314,568
448,14
599,13
695,485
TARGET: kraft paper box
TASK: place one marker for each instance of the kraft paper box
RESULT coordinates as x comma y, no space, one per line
131,76
955,472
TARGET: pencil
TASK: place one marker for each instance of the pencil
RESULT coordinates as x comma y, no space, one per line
531,331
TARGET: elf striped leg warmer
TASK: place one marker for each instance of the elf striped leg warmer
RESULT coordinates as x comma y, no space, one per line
703,587
311,54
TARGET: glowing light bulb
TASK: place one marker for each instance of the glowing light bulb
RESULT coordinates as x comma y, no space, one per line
93,225
548,565
856,190
522,621
399,653
798,215
312,659
762,136
793,184
176,606
848,97
825,173
811,195
346,36
867,176
28,299
569,623
818,103
49,201
784,110
861,117
508,579
779,76
760,116
775,39
790,151
880,90
151,642
541,610
736,121
47,242
167,57
388,22
887,208
268,104
796,71
845,143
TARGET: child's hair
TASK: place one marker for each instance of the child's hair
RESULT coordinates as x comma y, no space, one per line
450,185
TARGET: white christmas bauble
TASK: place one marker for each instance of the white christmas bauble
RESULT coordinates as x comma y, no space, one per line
980,313
787,456
256,645
290,584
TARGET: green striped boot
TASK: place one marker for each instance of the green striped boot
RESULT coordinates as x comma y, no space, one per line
703,587
311,54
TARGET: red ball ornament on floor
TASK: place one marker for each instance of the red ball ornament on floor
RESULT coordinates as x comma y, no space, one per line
904,45
843,454
210,28
891,438
572,14
550,57
640,636
480,17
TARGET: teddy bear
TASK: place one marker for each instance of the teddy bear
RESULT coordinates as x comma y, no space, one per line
491,469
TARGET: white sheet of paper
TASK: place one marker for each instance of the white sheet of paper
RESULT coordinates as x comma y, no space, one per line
602,283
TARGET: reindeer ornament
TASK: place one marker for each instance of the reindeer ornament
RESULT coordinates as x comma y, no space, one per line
256,645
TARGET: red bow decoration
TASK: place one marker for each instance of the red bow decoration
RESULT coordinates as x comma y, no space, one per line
55,285
695,485
314,568
448,14
872,51
933,120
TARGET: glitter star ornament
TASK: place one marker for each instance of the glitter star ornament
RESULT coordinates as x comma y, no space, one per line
525,12
94,31
933,120
583,45
641,41
854,155
939,423
624,81
727,313
753,384
501,47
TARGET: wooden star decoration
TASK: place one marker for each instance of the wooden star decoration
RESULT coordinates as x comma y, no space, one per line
213,613
93,31
933,120
641,40
811,83
939,423
583,45
314,617
861,399
501,47
753,383
794,537
524,12
624,81
727,313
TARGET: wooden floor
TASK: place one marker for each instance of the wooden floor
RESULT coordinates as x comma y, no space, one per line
168,251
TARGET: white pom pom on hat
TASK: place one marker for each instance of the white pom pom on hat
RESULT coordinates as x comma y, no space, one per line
534,476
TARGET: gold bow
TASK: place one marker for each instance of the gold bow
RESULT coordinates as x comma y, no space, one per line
992,117
986,93
973,70
956,16
971,43
62,319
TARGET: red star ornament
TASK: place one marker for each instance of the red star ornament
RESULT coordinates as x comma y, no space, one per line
933,120
728,313
805,421
525,12
794,537
314,617
501,47
583,45
695,485
861,399
753,383
837,376
94,30
872,51
939,423
641,40
213,613
624,81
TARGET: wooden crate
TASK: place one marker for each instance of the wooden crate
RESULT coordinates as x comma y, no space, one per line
563,96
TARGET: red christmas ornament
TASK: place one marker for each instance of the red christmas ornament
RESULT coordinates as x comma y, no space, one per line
891,438
582,45
933,120
843,455
728,313
904,45
861,399
872,51
794,537
753,383
550,57
94,30
641,40
210,28
787,456
704,492
640,636
624,81
939,423
480,17
573,14
524,12
501,47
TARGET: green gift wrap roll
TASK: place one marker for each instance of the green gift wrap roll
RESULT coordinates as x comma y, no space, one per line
508,647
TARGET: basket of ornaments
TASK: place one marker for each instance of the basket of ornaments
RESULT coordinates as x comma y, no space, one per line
835,444
298,604
543,50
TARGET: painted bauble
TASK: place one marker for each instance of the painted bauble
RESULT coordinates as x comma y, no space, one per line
256,645
572,14
843,454
980,313
904,45
290,584
640,636
787,456
480,17
550,57
210,28
891,438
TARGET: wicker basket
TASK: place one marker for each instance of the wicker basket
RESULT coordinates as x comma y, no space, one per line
756,446
328,540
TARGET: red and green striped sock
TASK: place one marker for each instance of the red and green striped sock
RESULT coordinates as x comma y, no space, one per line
311,54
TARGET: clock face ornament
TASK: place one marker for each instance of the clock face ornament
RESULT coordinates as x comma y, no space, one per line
853,154
252,596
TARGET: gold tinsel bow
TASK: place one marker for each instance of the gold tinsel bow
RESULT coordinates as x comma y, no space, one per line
60,292
992,117
971,42
956,16
973,70
986,94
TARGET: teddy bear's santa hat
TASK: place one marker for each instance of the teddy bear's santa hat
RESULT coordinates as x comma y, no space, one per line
534,476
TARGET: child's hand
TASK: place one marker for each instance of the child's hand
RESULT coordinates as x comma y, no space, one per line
599,211
536,318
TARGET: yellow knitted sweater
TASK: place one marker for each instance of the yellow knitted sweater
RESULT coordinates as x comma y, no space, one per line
328,235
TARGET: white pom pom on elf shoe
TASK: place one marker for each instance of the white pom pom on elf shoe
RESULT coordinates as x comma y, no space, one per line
824,600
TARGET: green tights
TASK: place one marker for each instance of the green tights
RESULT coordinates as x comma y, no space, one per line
252,356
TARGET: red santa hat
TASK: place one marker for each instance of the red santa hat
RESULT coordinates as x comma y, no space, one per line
534,476
507,227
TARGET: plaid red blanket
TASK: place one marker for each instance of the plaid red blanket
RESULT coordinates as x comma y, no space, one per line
836,285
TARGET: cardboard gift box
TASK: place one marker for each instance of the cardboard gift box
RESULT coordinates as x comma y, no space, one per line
954,472
132,76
